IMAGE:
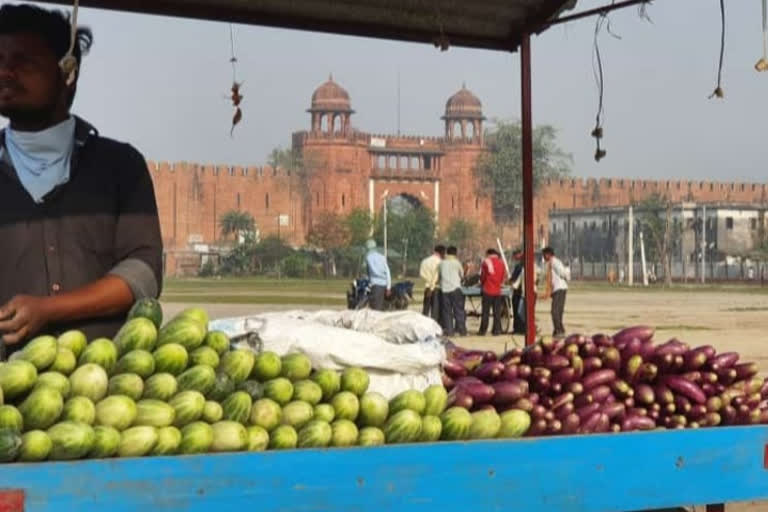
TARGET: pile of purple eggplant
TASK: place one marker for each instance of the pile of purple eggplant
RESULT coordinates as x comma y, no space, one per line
624,382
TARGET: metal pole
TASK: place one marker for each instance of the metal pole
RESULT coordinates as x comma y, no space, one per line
385,227
642,259
703,243
527,139
631,250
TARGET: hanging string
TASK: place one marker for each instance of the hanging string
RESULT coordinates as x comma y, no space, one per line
235,95
597,68
718,92
762,64
68,63
440,41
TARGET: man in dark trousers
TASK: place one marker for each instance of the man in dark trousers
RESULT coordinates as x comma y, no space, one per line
451,276
517,293
556,277
492,277
429,270
78,217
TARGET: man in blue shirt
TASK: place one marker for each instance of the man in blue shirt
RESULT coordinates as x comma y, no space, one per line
378,275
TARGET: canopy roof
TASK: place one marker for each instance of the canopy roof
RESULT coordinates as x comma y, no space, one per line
491,24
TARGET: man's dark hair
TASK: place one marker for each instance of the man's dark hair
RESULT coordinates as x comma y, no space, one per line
548,250
517,251
440,249
453,251
53,26
492,252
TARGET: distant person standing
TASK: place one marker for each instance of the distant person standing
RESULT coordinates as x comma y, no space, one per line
517,293
518,287
451,276
556,277
492,277
378,275
429,270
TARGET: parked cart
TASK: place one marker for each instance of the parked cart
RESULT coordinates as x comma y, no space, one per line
474,296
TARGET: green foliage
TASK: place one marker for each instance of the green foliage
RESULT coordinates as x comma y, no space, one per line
500,170
237,222
662,236
296,265
358,224
410,231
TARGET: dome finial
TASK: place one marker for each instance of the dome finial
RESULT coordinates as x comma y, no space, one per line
464,84
330,77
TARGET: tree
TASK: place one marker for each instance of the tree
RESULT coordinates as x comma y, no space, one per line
329,234
289,159
270,252
661,234
238,223
501,169
359,225
463,234
410,230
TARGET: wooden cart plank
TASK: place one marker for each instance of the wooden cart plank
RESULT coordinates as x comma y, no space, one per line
598,473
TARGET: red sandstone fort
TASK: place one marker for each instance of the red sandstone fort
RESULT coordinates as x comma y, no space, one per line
351,169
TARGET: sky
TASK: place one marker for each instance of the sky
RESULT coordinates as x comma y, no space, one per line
161,84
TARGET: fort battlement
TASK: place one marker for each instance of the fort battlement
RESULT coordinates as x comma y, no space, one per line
655,185
213,171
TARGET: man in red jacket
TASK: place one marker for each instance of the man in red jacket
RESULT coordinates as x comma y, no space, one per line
492,276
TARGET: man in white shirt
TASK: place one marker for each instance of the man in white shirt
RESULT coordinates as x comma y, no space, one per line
557,276
451,276
429,270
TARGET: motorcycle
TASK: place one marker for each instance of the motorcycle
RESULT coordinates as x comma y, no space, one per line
359,293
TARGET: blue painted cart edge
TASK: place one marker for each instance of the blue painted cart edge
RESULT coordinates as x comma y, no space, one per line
598,473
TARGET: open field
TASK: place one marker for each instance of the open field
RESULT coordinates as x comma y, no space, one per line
728,317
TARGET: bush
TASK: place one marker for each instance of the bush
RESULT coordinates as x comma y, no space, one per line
295,265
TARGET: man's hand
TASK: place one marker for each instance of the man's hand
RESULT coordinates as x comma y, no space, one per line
24,316
389,293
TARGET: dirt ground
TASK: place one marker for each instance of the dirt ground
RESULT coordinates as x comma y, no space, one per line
728,320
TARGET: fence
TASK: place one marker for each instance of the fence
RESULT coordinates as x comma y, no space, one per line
748,272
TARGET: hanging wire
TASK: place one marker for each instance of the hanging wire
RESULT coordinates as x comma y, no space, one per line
597,68
68,63
718,92
762,64
642,12
440,41
233,58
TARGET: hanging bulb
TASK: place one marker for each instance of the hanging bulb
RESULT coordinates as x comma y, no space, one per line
762,64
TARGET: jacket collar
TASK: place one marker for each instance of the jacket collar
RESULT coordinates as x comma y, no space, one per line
83,131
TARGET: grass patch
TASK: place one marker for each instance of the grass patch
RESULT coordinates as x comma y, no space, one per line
263,300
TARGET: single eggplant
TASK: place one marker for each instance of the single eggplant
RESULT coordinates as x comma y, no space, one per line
523,371
682,404
678,363
709,350
664,362
712,419
647,350
480,393
448,382
463,381
601,340
644,394
764,388
533,355
724,360
510,373
540,384
592,364
600,393
695,359
745,371
460,398
538,427
549,415
564,376
470,361
685,388
694,377
589,349
603,424
697,412
709,389
709,377
555,388
534,398
489,372
621,388
637,411
614,410
511,356
583,399
570,350
763,416
565,398
541,371
673,347
524,404
632,366
575,339
577,363
454,369
587,411
632,348
728,414
663,394
629,401
669,408
591,423
576,388
679,420
714,404
507,392
611,358
610,399
754,400
538,411
565,410
489,356
598,378
571,423
641,332
554,427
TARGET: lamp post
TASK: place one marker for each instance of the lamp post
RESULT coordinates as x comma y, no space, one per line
384,197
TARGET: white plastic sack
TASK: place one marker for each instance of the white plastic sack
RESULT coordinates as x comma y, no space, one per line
393,367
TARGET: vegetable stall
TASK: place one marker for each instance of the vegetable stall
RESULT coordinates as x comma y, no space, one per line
171,417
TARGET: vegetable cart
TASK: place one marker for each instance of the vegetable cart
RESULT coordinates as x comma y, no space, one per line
597,473
474,295
588,473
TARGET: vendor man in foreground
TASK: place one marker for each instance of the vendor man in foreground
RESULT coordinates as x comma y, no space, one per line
78,218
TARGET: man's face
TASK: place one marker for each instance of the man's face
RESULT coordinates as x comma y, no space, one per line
547,256
31,84
518,256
